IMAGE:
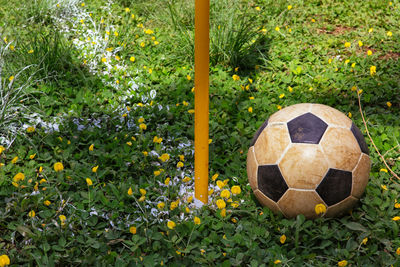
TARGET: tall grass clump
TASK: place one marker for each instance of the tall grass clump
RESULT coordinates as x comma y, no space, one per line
235,38
50,55
13,95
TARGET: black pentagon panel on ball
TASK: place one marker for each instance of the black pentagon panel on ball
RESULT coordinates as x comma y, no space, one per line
259,131
306,128
335,186
271,182
360,139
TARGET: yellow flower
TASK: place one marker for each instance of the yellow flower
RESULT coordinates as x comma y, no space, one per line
396,218
91,147
372,70
220,184
2,148
235,204
277,29
384,187
142,44
220,203
282,239
225,194
190,199
364,241
215,176
30,129
347,44
19,177
279,107
258,8
398,251
389,34
148,31
197,220
235,77
127,10
167,181
161,205
277,262
164,157
353,65
132,59
360,43
30,51
157,140
186,179
289,7
350,115
312,20
174,205
182,157
11,78
143,126
342,263
320,208
129,143
62,218
58,166
397,205
94,169
89,181
130,191
191,111
250,109
4,260
116,34
389,104
384,170
42,181
132,230
171,224
47,202
142,198
132,16
143,192
32,214
103,59
145,153
236,190
14,160
369,52
370,30
32,156
157,173
223,213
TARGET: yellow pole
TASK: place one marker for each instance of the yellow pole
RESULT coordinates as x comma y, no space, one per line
201,101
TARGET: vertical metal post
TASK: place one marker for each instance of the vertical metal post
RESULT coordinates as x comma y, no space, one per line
201,81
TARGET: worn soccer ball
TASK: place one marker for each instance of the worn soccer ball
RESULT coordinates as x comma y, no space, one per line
305,155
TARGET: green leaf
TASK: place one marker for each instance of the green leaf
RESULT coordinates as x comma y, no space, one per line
355,226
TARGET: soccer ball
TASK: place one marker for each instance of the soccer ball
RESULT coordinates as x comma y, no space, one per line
305,155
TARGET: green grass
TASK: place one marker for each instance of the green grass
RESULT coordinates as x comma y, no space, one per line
303,61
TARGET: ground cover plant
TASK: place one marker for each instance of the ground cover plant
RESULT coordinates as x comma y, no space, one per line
96,155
